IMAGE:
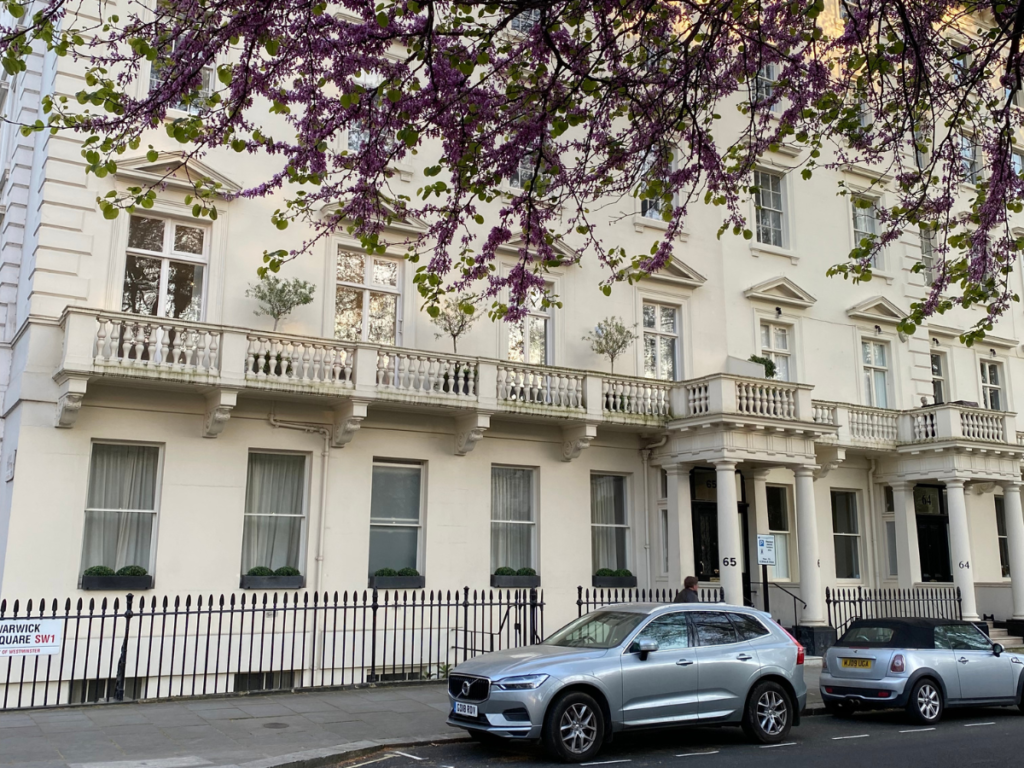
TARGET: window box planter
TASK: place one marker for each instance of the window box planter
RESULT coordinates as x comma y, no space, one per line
613,582
118,583
515,582
272,582
397,582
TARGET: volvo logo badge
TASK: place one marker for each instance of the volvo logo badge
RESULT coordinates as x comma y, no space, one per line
466,688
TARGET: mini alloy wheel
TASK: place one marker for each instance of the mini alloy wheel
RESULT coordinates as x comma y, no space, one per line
768,716
925,705
574,728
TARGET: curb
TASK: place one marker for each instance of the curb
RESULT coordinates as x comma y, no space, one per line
317,758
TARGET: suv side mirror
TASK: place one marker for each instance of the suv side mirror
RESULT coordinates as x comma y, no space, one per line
997,649
645,647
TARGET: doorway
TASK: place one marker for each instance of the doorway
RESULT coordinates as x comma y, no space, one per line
933,533
704,514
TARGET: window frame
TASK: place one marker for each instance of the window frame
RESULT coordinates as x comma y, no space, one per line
870,396
986,387
859,215
166,255
856,537
391,522
927,254
764,85
1002,537
657,333
972,166
626,513
788,533
782,211
535,310
191,110
772,352
534,521
942,379
367,288
157,497
307,473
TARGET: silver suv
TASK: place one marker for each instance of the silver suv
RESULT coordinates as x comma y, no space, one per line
632,666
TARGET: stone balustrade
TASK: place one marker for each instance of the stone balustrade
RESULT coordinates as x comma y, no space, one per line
728,394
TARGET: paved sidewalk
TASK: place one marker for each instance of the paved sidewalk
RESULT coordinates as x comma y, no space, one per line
301,730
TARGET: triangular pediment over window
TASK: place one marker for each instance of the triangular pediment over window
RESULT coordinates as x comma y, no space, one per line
400,221
517,244
174,170
679,272
877,309
780,290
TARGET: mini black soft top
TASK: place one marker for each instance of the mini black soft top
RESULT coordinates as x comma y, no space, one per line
910,633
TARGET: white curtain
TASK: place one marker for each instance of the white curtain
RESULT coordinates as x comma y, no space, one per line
511,518
607,509
121,504
273,511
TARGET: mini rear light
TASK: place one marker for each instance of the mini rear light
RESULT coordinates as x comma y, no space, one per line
883,694
828,690
799,648
898,664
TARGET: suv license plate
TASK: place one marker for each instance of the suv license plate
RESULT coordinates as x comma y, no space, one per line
469,710
856,663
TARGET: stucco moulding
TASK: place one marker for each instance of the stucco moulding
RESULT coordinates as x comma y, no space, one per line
781,290
877,309
175,171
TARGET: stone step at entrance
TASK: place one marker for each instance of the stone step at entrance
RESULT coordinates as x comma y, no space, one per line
1003,637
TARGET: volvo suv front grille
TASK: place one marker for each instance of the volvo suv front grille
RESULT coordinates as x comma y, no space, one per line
466,688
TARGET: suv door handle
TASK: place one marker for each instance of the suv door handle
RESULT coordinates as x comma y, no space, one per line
962,660
683,663
744,657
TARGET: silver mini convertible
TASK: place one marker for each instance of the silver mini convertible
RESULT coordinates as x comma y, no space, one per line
637,665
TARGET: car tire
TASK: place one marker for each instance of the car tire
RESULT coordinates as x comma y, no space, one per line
574,727
769,713
925,704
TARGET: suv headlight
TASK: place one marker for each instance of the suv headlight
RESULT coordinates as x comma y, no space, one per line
520,683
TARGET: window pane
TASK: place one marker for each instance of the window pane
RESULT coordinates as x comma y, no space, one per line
781,338
668,319
847,557
650,356
188,239
993,375
714,628
650,316
881,390
348,314
141,285
516,343
766,337
1000,517
664,541
748,627
395,493
276,484
146,234
844,512
669,632
385,272
937,365
778,517
511,546
184,291
890,542
393,547
609,548
538,340
123,477
351,267
117,539
383,318
782,367
881,353
511,493
865,349
667,362
781,568
271,542
608,499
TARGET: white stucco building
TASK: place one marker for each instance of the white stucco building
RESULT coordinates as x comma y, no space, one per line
149,418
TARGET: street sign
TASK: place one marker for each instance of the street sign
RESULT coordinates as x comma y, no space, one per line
765,549
30,637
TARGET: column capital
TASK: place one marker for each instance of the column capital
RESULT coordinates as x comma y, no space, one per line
1009,486
955,482
678,468
807,470
724,465
902,485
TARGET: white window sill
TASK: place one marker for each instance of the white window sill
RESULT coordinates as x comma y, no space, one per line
762,249
641,223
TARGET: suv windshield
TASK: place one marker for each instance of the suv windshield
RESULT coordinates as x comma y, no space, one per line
600,629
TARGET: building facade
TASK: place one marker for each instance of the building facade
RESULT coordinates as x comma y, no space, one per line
151,419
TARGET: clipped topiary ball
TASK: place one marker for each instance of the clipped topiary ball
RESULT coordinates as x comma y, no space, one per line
98,570
408,572
623,572
504,571
260,570
132,570
526,572
287,570
386,572
605,572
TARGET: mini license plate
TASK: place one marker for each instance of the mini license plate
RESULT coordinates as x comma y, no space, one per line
469,710
855,663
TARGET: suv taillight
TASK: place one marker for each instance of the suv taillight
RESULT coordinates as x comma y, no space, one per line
799,648
898,663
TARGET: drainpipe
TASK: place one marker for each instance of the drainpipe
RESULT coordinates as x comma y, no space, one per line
325,456
645,456
871,517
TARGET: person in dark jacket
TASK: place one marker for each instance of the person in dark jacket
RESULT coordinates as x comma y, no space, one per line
688,594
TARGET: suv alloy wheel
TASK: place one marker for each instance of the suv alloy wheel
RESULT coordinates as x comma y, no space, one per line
925,703
769,713
574,728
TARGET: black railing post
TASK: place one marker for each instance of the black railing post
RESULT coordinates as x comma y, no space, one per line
533,616
959,605
465,624
579,601
122,662
373,636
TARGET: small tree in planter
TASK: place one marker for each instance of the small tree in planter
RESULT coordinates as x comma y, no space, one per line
261,577
509,578
277,298
621,578
455,318
611,337
389,578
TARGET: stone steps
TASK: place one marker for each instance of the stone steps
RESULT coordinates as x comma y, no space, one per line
1003,637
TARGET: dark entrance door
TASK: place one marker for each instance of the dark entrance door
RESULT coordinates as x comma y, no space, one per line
705,540
932,533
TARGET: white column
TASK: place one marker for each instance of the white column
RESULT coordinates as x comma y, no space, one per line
807,547
908,555
1015,543
760,476
960,547
730,545
680,525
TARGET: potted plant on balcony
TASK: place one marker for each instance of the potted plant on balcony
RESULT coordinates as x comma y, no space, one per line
131,577
262,577
389,578
509,578
455,318
277,298
611,338
621,578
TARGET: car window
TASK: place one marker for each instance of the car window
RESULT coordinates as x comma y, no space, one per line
866,634
713,628
670,632
600,629
748,627
961,637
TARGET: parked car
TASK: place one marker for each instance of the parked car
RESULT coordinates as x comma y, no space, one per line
633,666
922,665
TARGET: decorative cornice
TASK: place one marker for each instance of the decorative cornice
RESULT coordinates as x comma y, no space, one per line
781,290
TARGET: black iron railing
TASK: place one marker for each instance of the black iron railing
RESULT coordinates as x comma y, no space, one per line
115,649
846,605
597,597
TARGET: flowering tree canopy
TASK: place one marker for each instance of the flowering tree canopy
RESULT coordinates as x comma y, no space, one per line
533,115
